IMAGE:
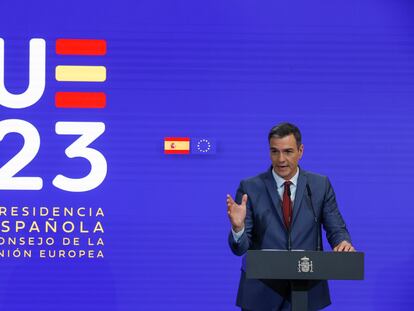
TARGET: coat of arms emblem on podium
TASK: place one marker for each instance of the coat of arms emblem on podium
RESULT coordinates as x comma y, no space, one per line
305,265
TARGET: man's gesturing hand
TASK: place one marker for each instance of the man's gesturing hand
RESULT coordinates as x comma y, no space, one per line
237,213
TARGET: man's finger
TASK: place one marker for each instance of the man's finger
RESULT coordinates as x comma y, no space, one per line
229,201
350,248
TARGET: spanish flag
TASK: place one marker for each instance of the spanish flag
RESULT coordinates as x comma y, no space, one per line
177,145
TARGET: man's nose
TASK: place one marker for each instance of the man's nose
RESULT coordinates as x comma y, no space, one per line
281,157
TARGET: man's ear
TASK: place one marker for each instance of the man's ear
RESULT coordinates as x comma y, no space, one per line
301,149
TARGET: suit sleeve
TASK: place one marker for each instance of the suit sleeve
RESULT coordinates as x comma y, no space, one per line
243,244
332,220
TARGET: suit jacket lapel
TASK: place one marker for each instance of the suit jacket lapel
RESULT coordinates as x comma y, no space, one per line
272,191
300,189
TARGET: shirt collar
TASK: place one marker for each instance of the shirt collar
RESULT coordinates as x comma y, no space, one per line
280,181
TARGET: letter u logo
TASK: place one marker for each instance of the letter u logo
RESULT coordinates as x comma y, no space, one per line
37,77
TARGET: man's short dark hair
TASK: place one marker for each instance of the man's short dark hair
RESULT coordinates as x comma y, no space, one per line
285,129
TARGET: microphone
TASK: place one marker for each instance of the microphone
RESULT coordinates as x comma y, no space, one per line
290,227
314,217
289,240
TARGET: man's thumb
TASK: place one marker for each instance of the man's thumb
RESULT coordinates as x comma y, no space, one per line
244,199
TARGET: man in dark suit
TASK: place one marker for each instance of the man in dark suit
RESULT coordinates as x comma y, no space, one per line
275,202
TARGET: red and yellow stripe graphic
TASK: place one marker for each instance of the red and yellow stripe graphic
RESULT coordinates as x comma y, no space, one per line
75,73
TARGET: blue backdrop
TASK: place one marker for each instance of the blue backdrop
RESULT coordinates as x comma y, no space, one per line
228,70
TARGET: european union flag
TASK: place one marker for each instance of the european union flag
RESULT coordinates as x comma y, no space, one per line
203,146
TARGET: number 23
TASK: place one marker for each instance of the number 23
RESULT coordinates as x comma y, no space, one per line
88,131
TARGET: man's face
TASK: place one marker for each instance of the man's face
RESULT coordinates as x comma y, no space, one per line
285,155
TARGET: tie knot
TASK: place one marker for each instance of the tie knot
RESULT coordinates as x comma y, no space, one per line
287,183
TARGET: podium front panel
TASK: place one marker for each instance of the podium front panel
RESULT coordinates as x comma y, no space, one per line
304,265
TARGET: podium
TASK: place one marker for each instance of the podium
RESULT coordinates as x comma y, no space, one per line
303,267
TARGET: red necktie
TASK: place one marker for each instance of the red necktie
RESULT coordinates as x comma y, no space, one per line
287,205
